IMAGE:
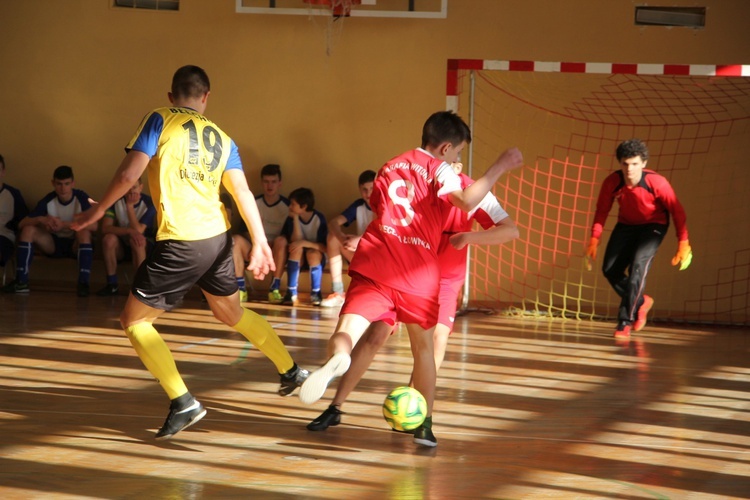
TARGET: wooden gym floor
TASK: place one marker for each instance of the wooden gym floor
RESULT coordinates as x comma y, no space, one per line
526,408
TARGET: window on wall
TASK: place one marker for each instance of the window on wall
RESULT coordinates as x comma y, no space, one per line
149,4
691,17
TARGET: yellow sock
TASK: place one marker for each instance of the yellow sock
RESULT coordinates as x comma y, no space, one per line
257,330
157,357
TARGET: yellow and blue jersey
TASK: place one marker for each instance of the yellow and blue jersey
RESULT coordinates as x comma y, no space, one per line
189,154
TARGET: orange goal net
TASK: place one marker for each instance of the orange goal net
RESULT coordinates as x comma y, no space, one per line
567,119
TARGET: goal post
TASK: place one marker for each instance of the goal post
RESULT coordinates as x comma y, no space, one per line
567,119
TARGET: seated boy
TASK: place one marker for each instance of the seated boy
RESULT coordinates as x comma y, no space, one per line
273,209
12,210
341,245
304,234
48,227
127,232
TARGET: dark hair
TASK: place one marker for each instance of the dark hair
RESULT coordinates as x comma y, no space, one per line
271,169
445,126
632,148
190,81
304,197
367,176
2,160
62,173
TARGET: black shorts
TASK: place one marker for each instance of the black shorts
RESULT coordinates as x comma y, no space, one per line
64,248
173,267
7,250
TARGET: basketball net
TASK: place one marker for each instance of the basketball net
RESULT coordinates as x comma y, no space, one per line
334,24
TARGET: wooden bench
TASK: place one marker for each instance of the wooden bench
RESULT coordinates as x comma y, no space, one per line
62,274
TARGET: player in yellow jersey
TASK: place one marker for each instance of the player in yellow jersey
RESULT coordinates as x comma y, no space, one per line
188,157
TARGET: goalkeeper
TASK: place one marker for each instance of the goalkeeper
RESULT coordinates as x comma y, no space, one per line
646,200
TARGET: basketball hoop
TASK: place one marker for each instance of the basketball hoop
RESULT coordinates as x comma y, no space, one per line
339,8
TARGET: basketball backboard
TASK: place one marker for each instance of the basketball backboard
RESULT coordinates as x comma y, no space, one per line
424,9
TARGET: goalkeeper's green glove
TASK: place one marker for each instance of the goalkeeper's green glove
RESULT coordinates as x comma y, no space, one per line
684,255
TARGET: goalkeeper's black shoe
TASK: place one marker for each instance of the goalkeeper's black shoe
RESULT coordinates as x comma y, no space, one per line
332,416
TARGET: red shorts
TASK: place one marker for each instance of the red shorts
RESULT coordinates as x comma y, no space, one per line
448,301
376,302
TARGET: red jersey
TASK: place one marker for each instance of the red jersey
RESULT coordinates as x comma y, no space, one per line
650,202
488,214
399,247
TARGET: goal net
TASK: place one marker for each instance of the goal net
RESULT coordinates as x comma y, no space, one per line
567,119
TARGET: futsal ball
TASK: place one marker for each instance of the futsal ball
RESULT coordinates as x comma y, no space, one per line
404,408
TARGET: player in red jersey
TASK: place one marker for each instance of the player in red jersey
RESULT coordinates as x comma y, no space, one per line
457,234
395,272
498,228
646,201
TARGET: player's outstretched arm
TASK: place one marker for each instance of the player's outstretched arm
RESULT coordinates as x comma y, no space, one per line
503,232
261,257
130,170
470,197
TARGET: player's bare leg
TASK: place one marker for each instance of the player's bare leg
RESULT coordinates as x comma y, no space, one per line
139,254
348,331
336,255
240,251
422,348
30,237
112,250
361,357
280,249
334,249
440,341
